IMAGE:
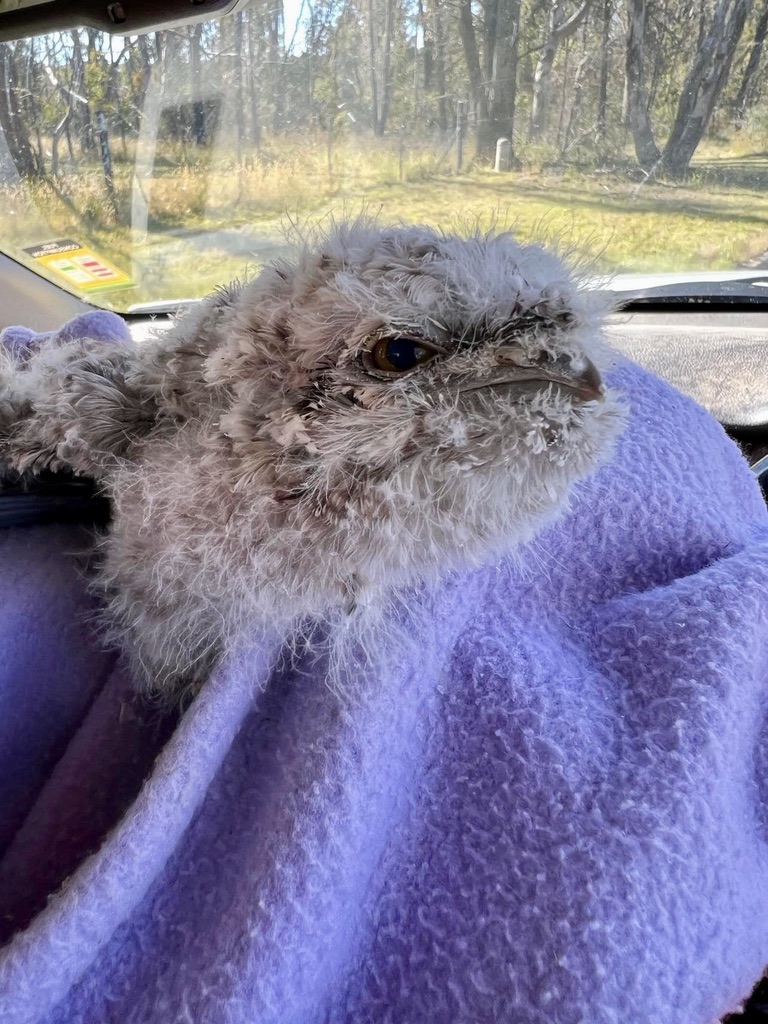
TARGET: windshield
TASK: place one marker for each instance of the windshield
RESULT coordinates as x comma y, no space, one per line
151,169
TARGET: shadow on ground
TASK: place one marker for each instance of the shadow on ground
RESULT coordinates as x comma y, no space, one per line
747,172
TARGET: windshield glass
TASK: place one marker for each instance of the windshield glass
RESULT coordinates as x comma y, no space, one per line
151,169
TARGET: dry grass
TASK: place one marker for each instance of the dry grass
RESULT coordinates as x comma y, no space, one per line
210,221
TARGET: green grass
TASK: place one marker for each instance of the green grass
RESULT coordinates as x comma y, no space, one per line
209,222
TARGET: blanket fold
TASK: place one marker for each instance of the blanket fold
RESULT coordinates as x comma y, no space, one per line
548,806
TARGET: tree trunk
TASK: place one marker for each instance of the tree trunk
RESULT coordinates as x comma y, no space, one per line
637,115
16,135
198,108
374,76
602,92
440,75
276,30
575,107
746,94
145,60
560,29
494,82
82,109
474,72
704,83
31,111
254,79
541,80
380,60
239,91
386,68
502,91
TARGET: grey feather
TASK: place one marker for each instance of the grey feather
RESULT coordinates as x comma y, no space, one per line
265,468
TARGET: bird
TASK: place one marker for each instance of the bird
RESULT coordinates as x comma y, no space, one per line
383,406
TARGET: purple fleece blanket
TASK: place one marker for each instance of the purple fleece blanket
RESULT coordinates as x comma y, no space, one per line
553,808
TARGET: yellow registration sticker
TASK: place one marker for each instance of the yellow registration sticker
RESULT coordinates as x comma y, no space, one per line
79,266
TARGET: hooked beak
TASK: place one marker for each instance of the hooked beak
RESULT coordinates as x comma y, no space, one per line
586,383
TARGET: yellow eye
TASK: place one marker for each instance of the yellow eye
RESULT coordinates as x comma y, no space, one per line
397,355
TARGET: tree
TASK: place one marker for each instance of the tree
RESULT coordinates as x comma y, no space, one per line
81,110
367,66
560,28
637,104
704,83
699,93
380,17
472,59
605,57
435,76
493,80
502,33
276,51
745,97
11,121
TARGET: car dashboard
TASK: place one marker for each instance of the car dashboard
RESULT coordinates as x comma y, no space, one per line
720,359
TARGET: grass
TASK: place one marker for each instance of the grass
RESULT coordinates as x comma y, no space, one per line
209,221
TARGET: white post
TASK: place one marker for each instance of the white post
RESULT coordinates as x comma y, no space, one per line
503,155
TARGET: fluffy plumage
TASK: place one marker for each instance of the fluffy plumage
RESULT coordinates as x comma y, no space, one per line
389,405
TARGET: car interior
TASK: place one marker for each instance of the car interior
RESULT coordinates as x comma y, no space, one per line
699,327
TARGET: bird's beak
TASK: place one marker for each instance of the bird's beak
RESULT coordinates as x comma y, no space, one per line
585,382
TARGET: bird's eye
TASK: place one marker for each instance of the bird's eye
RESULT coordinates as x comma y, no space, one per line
397,355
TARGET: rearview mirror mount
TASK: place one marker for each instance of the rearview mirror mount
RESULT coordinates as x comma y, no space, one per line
21,18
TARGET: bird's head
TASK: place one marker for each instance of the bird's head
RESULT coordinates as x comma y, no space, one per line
436,392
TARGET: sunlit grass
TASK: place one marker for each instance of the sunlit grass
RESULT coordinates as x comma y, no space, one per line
209,221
